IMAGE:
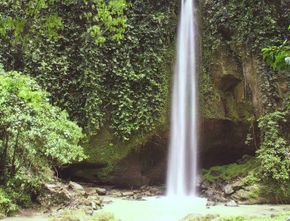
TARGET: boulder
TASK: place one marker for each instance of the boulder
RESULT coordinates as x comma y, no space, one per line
228,189
195,217
241,195
54,195
128,193
115,193
59,196
76,187
101,191
232,203
210,203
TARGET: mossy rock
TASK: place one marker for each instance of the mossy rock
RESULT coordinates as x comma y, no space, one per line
248,187
200,218
78,215
229,172
141,161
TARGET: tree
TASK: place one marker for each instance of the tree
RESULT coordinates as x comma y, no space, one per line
34,135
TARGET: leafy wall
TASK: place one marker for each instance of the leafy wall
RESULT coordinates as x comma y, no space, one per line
118,83
233,74
115,84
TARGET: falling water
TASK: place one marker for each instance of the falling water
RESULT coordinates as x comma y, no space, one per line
182,161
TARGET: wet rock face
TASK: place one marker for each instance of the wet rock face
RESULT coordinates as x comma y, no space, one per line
227,71
223,141
146,166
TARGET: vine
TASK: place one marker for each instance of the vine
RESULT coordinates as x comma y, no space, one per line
118,82
251,24
275,148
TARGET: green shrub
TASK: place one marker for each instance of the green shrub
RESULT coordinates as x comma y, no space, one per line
278,57
6,204
34,135
274,151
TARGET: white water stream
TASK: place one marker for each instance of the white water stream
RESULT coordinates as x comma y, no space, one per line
182,159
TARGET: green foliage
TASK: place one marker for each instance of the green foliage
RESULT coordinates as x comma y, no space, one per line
77,215
122,85
275,147
209,96
275,193
249,24
6,204
274,151
35,135
24,21
109,18
278,56
230,172
280,217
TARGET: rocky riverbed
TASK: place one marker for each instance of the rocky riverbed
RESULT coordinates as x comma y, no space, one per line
144,204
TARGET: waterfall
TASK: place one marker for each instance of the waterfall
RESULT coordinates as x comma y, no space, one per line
182,157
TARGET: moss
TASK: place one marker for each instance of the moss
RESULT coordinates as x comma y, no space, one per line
230,171
238,218
78,215
105,149
208,217
254,189
279,217
210,99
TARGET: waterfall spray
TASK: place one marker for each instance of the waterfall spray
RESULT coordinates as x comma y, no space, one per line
182,159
